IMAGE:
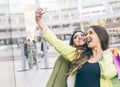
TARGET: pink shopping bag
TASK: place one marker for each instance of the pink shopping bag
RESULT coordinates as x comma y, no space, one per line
116,60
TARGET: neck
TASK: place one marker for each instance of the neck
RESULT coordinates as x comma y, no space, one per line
97,49
97,52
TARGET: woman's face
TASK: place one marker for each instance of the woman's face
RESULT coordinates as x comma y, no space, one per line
79,39
92,39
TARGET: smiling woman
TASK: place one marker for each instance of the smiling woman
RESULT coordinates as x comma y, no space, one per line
59,75
93,66
95,34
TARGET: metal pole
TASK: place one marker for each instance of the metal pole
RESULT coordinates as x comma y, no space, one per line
45,54
36,4
23,56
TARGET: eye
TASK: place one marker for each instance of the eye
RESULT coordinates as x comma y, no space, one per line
75,37
90,32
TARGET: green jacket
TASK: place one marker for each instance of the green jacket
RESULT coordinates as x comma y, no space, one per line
107,67
58,77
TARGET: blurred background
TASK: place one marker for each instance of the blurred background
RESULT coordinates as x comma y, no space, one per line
63,17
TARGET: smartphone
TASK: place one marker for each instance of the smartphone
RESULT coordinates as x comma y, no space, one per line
44,10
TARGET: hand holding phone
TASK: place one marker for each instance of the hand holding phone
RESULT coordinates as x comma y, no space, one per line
44,10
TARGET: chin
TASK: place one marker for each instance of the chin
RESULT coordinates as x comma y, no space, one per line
90,46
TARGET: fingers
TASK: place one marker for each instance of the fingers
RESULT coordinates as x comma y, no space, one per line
38,12
115,52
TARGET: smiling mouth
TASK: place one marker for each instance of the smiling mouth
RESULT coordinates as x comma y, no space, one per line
82,40
88,41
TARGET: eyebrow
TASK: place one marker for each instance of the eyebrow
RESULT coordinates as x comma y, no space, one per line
82,34
88,31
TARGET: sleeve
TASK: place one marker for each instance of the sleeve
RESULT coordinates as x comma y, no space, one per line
107,67
67,51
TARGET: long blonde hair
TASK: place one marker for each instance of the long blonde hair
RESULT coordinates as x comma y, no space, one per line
78,63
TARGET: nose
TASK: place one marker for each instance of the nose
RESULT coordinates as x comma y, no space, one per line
79,37
82,37
87,36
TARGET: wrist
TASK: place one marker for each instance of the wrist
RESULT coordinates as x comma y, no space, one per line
41,25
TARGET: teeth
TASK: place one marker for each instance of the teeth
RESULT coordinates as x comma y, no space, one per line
89,41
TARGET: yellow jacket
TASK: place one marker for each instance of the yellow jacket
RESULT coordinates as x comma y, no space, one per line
107,67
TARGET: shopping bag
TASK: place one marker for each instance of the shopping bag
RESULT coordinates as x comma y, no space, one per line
116,60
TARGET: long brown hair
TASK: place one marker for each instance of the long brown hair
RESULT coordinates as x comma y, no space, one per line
87,52
84,47
84,56
103,36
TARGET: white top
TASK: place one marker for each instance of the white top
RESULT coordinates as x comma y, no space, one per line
71,80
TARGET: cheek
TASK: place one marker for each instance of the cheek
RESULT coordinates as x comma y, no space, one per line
97,40
75,40
83,43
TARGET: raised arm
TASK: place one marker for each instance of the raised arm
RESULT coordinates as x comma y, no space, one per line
69,52
38,15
